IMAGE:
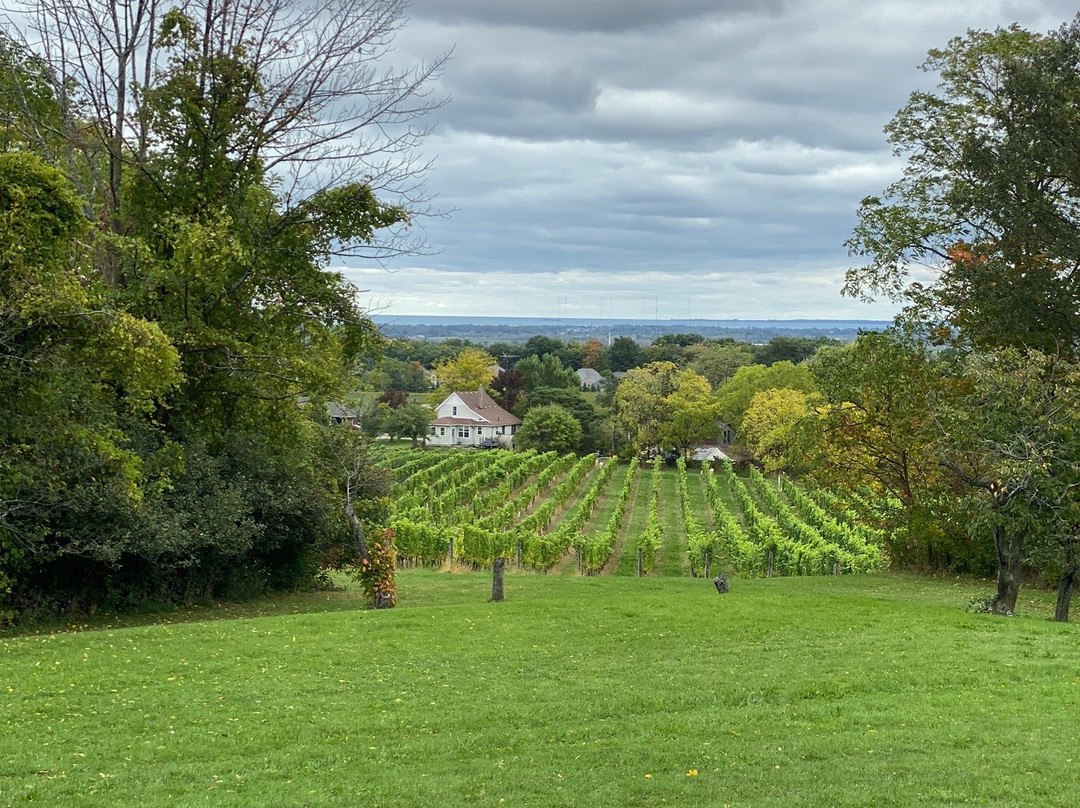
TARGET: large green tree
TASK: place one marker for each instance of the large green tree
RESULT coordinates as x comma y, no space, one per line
547,371
876,432
692,412
549,428
987,200
660,405
1011,434
988,204
770,426
736,394
718,361
410,421
223,168
639,403
624,354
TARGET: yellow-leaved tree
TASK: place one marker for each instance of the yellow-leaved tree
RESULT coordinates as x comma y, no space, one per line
470,370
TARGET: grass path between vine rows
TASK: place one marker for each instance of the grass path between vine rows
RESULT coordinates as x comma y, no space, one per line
567,565
636,515
699,501
607,691
614,561
671,560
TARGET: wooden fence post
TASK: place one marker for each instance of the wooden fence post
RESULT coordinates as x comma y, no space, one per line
708,559
580,561
497,579
836,568
517,553
768,572
451,551
640,562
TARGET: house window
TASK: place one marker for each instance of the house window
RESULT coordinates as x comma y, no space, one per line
455,411
442,430
433,430
463,432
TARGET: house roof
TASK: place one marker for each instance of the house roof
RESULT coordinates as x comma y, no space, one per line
702,453
335,410
589,376
483,405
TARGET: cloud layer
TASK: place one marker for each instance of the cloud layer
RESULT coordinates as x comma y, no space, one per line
631,158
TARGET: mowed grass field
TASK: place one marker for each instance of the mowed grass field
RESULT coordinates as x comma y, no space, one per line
609,691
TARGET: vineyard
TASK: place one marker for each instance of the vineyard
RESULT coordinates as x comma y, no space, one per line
591,515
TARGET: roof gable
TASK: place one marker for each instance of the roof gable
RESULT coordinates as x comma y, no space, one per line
481,405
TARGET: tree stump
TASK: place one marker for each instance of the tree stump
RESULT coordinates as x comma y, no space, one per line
497,578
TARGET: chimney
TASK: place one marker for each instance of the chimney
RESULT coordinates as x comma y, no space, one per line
480,395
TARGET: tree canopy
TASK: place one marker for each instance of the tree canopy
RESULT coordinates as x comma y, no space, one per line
988,196
167,367
470,370
736,394
549,428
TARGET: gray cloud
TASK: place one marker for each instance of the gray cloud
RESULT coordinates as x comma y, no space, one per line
584,15
695,152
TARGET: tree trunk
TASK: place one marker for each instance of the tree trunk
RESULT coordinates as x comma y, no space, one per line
1066,583
1008,549
357,531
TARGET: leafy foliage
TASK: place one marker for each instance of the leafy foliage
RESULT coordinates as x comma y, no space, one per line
156,366
470,370
770,425
549,428
735,396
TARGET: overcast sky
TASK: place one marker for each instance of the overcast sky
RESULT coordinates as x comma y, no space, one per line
663,158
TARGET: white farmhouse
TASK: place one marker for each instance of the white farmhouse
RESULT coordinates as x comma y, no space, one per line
472,419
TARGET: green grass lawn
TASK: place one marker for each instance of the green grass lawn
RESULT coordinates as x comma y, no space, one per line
829,691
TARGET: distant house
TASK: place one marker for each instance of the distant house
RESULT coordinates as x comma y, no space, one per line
472,419
341,415
708,454
590,379
337,413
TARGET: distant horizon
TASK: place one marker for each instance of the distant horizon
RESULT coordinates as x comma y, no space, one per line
743,322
